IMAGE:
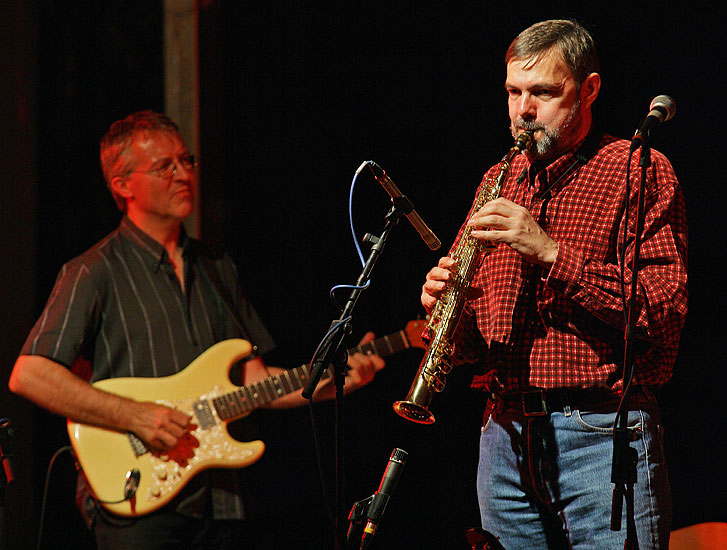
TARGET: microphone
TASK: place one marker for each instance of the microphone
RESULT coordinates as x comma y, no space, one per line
406,206
662,108
382,495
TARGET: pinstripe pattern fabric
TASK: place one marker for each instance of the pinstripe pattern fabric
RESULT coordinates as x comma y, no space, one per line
120,306
564,328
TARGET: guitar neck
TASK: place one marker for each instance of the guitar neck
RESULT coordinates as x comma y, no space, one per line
248,398
386,345
253,396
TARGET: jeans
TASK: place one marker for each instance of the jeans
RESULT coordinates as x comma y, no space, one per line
545,482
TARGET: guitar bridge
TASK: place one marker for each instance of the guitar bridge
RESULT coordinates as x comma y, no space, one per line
137,444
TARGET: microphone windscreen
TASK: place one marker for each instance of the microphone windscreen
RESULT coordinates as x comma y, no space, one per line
667,104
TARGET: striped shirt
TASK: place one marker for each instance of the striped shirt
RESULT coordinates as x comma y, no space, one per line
120,307
564,327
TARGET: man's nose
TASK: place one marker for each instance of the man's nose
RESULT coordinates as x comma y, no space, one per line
526,106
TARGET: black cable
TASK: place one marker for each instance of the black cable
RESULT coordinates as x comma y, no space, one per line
326,499
45,491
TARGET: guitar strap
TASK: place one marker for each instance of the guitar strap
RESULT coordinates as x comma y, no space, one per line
210,275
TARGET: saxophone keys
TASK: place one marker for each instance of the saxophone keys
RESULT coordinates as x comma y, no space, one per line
437,382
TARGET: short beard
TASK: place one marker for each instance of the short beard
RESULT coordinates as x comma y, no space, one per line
552,138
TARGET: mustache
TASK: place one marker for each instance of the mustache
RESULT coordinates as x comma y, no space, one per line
523,124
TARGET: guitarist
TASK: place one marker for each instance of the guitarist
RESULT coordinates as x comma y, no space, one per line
145,301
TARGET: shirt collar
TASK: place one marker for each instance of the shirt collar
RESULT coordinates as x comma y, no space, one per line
545,177
148,245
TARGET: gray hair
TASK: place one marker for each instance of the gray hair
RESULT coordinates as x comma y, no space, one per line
574,43
119,138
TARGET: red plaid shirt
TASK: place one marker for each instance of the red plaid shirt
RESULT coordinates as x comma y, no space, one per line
564,328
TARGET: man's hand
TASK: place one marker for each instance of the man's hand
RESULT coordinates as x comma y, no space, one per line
503,221
363,367
436,282
159,426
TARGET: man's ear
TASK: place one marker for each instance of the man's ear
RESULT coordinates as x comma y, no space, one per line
590,88
120,187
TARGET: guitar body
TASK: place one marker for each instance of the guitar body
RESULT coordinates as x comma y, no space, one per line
107,456
113,462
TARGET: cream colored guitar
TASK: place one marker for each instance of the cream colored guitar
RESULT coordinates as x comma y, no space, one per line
130,480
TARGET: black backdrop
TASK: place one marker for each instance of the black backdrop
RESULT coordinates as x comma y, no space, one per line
294,98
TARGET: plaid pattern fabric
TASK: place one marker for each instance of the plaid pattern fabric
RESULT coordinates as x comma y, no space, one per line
564,328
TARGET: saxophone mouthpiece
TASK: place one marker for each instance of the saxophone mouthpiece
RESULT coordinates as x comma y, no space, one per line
524,140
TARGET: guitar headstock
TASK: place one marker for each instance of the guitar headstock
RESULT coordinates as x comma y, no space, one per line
413,331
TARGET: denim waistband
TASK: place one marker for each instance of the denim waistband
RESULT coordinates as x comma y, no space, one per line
539,402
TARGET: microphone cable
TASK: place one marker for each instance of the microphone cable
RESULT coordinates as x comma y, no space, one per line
334,289
44,503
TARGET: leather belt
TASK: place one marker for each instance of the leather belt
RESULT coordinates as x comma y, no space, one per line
540,402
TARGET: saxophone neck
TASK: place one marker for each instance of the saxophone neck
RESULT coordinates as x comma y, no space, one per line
523,142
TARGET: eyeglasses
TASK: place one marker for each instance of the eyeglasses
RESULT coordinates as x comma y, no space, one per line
168,168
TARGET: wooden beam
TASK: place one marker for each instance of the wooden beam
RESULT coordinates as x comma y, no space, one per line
181,81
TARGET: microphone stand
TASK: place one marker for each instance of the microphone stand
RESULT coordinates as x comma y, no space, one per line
625,457
331,352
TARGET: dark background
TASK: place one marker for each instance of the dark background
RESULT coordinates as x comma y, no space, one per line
293,99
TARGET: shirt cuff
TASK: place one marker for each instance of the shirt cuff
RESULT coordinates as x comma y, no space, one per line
566,272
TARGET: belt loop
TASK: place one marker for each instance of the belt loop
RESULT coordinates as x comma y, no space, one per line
566,403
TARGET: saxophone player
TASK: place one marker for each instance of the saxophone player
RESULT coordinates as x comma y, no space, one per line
545,317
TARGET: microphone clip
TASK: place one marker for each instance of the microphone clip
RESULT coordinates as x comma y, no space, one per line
403,205
357,517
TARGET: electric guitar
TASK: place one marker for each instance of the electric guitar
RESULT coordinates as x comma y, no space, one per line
128,479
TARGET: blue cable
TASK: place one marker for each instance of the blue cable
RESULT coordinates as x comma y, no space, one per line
355,240
350,212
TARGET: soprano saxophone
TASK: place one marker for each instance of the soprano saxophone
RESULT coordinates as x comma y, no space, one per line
437,362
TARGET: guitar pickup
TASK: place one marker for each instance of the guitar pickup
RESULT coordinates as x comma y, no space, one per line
205,418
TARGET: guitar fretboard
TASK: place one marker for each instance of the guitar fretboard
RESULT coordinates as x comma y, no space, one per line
253,396
386,345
